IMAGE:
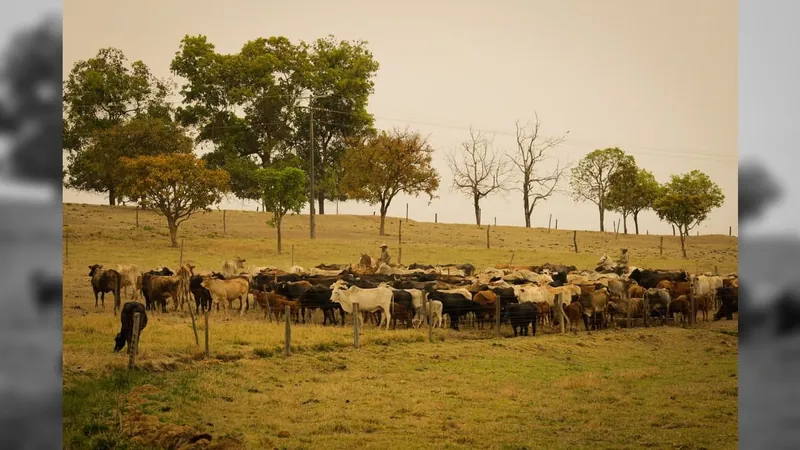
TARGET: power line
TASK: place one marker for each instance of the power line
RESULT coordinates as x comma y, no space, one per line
634,150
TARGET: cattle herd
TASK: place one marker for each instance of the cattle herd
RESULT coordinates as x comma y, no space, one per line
455,294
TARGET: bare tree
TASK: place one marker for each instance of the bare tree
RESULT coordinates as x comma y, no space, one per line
530,156
479,171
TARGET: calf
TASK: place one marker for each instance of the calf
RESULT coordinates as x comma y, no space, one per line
400,312
105,280
432,308
278,303
729,302
487,301
543,313
703,303
574,313
657,300
680,306
521,315
125,335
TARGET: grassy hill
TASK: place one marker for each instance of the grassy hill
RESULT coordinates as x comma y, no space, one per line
661,387
94,230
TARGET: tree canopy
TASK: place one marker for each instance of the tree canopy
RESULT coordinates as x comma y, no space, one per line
175,186
102,93
379,167
686,200
591,178
282,191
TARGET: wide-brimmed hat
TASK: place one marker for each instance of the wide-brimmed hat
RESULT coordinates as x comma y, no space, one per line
384,246
624,249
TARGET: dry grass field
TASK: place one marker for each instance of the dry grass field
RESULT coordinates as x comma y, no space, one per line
661,387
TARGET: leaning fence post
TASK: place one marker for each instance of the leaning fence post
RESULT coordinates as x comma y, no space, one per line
356,326
549,221
560,306
287,340
133,348
206,330
194,324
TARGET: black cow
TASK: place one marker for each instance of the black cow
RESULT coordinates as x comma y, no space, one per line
454,305
318,296
105,280
202,298
266,282
521,315
729,298
559,279
125,334
648,279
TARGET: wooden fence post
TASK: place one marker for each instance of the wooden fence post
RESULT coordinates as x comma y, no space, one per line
133,349
137,216
646,311
206,331
716,270
400,255
287,340
661,247
495,220
730,231
224,225
436,218
487,235
399,233
575,239
194,324
497,317
556,224
512,258
560,307
630,307
356,325
549,221
406,212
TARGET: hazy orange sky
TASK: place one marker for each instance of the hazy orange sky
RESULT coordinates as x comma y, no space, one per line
655,78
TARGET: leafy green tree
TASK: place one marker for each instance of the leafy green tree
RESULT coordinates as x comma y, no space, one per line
622,187
340,79
243,103
96,168
591,178
687,200
645,194
282,190
105,92
382,166
175,186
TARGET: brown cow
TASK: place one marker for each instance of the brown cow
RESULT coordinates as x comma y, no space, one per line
675,288
594,304
680,306
635,291
278,303
703,304
544,316
487,301
161,286
108,280
574,313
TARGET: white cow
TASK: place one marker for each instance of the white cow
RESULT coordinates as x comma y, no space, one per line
529,293
434,307
232,267
297,270
369,300
129,274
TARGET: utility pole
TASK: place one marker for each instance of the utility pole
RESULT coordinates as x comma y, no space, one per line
312,199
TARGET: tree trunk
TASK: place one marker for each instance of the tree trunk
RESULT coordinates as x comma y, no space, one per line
278,226
683,241
321,202
173,232
625,223
477,210
526,205
112,197
636,221
383,220
602,217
